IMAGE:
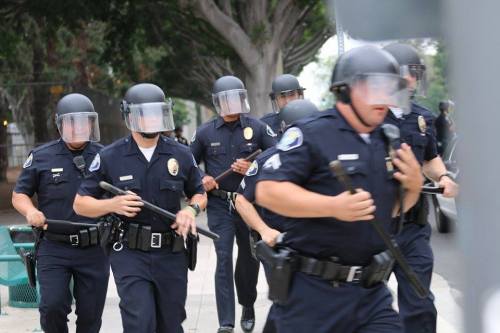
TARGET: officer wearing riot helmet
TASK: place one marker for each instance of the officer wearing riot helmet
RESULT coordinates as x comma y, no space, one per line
285,88
149,264
65,253
336,252
445,127
268,225
220,144
417,130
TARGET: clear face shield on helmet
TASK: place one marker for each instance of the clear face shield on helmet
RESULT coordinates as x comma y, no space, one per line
281,99
78,127
417,79
231,102
382,90
149,117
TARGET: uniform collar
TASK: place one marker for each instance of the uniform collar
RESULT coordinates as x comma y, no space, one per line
162,146
345,126
64,150
243,121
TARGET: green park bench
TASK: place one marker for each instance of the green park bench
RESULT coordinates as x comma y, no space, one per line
12,271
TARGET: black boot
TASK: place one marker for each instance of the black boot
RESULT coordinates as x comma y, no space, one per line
247,319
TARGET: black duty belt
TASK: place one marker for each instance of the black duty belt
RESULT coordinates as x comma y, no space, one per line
223,194
84,238
141,237
378,271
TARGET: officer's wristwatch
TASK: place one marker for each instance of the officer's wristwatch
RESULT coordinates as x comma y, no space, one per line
196,208
446,174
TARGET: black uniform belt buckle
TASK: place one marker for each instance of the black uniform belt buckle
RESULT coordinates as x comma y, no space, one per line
355,273
74,240
155,240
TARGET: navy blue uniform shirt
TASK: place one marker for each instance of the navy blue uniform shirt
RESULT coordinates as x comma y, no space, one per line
50,172
304,153
247,189
218,144
417,130
273,120
172,169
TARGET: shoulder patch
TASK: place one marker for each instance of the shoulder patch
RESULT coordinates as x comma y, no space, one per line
270,131
254,168
194,161
292,138
274,162
96,163
193,137
28,161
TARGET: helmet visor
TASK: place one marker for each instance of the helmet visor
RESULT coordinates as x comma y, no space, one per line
280,100
418,74
382,89
150,117
231,102
78,127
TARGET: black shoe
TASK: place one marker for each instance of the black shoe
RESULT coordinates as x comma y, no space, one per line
225,329
247,319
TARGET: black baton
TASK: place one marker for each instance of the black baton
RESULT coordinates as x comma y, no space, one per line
389,241
229,171
432,190
160,211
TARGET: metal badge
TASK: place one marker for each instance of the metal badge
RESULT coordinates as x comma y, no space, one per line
422,124
248,133
173,166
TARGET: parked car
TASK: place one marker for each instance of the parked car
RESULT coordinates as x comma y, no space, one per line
445,209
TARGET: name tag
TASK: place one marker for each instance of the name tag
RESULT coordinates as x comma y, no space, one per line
214,144
348,157
57,170
129,177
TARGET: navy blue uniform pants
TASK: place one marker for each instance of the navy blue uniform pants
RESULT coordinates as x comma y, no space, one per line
152,287
418,315
229,224
57,263
314,305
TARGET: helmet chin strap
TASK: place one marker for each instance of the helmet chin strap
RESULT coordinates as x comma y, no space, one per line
149,135
356,113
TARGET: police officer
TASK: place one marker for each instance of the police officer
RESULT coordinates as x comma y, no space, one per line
150,270
64,254
268,225
445,128
417,130
223,143
334,287
178,136
285,88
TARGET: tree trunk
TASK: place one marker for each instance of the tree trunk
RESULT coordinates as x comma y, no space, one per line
40,91
258,81
4,158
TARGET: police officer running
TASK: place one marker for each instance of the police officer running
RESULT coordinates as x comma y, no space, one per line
66,252
338,261
417,130
223,143
148,260
285,88
266,224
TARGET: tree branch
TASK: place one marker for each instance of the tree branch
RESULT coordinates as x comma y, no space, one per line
230,30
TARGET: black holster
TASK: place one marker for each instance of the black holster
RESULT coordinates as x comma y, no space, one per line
283,265
254,238
378,270
29,259
192,250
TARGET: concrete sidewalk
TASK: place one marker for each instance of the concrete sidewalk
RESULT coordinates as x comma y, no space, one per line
200,306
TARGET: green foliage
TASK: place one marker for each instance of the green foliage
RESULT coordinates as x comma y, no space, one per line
437,78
